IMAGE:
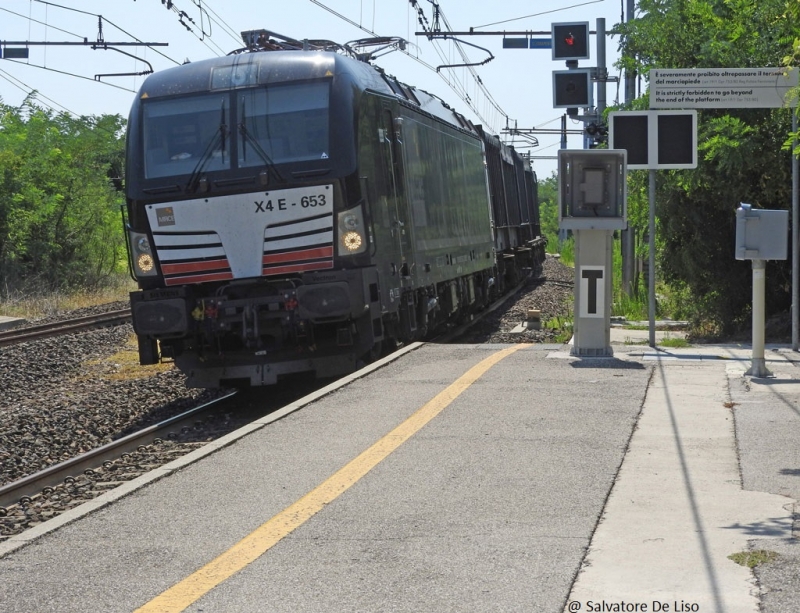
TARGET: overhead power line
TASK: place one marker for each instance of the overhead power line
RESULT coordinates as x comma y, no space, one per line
70,74
564,8
448,76
438,18
29,91
191,25
32,20
236,36
96,16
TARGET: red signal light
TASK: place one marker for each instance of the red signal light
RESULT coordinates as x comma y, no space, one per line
570,40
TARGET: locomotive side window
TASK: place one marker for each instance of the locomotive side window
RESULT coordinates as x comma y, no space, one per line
180,133
285,123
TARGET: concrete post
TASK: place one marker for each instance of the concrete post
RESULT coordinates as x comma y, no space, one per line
592,322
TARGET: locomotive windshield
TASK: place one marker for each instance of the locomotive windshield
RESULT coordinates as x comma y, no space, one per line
288,122
236,129
179,132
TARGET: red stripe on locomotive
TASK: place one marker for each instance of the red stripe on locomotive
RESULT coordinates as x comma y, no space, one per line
184,267
294,256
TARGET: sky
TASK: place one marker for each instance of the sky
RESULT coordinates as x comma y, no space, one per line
516,84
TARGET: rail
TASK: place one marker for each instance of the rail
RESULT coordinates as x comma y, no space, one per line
12,493
78,324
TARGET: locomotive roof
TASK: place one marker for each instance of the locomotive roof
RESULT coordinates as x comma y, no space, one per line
282,66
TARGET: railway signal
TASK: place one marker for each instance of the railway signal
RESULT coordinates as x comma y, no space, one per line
570,40
572,88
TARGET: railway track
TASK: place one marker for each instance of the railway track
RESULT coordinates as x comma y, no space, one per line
23,490
90,474
78,324
36,498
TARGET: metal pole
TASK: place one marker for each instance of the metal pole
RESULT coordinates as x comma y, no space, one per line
630,76
601,66
651,277
795,229
627,236
759,366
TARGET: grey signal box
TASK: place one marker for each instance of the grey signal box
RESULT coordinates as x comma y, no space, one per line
592,191
761,234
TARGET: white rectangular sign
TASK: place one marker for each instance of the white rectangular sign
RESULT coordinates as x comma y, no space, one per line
722,88
592,291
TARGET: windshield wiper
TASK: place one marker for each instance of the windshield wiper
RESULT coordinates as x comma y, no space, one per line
218,140
247,137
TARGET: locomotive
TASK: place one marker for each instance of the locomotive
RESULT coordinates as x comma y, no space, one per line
292,208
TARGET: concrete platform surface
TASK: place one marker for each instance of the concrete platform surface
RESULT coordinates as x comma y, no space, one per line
678,510
461,478
7,323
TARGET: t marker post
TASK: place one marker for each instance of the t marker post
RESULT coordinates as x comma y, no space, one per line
592,203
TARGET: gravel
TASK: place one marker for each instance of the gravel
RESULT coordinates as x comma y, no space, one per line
550,294
64,396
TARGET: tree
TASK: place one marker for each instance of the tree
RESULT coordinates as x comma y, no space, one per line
548,209
59,208
740,157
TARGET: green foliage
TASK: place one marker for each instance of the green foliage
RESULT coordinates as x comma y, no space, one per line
60,228
740,153
548,209
567,251
676,342
751,559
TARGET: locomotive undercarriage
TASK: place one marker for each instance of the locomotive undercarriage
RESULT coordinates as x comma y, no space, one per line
255,331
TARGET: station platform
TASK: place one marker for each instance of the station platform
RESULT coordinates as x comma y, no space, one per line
7,323
460,478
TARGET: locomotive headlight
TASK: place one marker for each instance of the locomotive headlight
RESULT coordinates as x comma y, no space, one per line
352,239
144,264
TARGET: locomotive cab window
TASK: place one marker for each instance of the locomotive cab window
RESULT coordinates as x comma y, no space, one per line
284,123
181,135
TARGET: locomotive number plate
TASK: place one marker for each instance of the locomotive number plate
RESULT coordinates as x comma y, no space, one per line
318,197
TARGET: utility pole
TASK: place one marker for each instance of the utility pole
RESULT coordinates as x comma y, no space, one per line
628,236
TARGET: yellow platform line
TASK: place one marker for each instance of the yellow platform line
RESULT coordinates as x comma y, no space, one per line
258,542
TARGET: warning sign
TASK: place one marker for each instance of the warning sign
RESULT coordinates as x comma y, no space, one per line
722,88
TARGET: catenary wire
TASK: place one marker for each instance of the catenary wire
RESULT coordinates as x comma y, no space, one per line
71,74
564,8
111,23
236,36
30,91
32,20
455,84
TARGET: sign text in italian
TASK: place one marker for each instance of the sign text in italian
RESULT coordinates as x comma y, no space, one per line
722,88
